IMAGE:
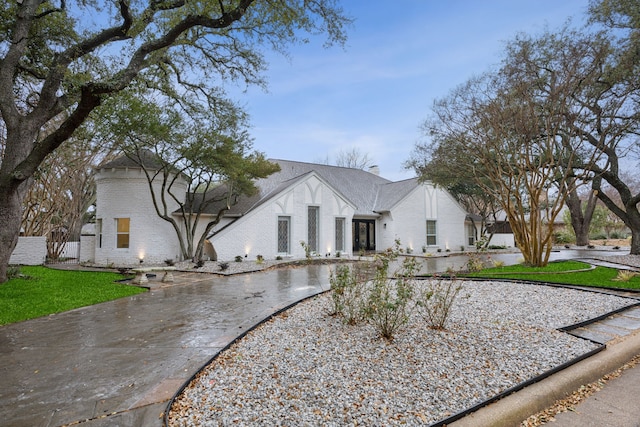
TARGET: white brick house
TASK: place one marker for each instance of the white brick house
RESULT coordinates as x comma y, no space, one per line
332,209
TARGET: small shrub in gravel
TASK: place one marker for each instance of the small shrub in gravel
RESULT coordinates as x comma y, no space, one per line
223,266
388,305
348,286
238,258
435,300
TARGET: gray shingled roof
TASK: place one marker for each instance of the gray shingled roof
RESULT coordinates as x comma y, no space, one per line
359,187
367,192
145,157
392,193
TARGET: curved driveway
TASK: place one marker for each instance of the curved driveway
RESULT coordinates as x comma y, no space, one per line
119,362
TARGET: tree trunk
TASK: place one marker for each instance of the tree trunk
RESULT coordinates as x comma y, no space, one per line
13,191
634,226
11,198
581,220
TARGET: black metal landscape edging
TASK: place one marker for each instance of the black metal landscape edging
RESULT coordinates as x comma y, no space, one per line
467,411
516,388
228,346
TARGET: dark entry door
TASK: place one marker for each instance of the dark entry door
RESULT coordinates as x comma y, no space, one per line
364,235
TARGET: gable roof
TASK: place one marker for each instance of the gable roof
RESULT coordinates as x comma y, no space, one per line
367,192
359,187
392,193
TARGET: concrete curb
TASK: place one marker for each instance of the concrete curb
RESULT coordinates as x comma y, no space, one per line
515,408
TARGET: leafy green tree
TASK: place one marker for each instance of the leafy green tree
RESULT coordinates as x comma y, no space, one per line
70,56
613,103
212,152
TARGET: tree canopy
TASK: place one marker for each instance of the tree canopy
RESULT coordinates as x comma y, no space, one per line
70,56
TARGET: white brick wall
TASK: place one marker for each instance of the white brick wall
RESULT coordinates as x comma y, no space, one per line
407,221
124,193
30,251
256,233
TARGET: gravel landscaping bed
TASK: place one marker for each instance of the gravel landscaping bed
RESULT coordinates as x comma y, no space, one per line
306,367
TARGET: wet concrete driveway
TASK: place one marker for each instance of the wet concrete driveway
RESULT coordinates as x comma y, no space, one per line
118,363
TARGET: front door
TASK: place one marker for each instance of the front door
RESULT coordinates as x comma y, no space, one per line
364,235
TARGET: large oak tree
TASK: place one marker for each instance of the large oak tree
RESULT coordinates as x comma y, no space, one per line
69,56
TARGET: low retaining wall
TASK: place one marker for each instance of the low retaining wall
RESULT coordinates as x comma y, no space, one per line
30,251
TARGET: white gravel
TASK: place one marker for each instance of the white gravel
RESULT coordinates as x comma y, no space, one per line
307,368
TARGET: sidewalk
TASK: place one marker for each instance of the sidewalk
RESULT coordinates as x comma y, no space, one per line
616,405
118,363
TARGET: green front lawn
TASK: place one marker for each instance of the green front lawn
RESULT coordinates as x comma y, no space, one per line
48,291
563,273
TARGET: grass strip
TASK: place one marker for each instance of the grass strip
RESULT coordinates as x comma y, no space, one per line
46,291
562,272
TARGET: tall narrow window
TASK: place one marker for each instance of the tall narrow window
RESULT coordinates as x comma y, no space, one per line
99,232
340,234
283,234
431,233
312,227
471,231
122,232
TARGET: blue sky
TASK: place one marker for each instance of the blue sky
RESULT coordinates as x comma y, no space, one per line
373,95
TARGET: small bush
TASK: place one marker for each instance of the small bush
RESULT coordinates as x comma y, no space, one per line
348,286
388,302
238,258
625,276
169,262
13,271
199,263
435,299
259,259
307,249
474,263
223,266
561,237
338,254
278,258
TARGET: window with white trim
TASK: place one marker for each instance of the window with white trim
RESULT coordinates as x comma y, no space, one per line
313,219
431,233
340,228
284,238
99,232
122,232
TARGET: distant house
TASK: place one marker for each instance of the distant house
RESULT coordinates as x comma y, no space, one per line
331,209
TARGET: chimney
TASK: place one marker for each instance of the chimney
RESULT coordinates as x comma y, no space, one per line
374,169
